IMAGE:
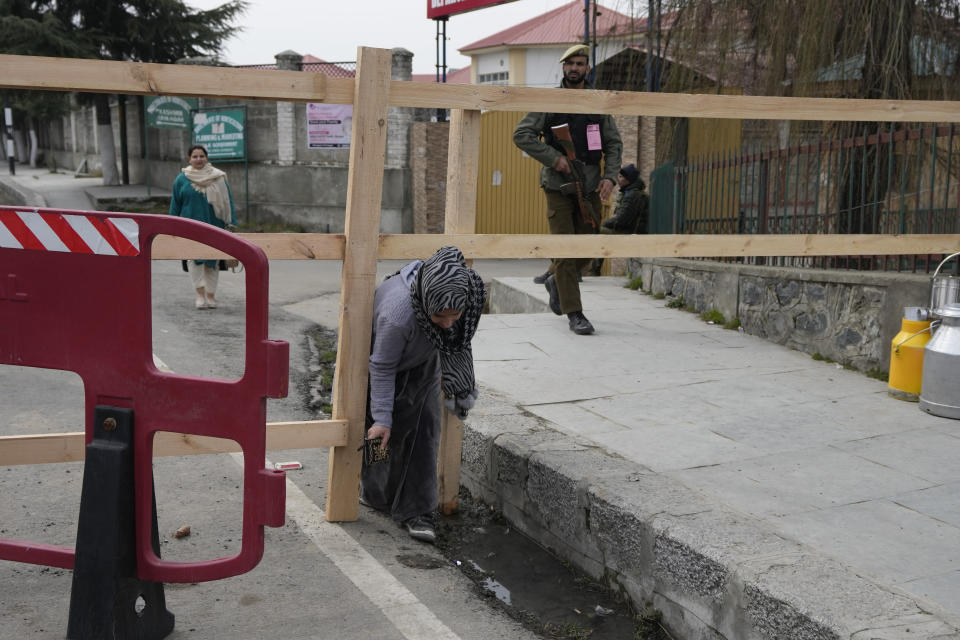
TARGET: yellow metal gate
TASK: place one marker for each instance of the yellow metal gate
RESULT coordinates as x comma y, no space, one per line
509,198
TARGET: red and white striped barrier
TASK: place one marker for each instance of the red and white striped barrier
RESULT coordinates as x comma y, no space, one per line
69,233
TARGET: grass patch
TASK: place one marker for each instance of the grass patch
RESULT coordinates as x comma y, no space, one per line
650,625
819,357
878,374
566,631
676,303
713,316
659,296
634,284
732,324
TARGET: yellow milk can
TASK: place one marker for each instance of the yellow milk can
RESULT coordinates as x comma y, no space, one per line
906,355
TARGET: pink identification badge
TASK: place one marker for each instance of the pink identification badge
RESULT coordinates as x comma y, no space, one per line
593,137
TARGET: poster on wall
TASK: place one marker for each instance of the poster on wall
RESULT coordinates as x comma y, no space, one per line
222,132
328,125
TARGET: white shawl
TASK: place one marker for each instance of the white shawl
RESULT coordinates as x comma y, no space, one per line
212,183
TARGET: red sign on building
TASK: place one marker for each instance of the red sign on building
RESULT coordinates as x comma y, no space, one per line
443,8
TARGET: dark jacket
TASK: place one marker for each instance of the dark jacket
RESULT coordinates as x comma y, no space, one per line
534,126
632,211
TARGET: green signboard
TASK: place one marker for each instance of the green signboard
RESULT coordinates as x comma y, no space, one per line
222,132
169,112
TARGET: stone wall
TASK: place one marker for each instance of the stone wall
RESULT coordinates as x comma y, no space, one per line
847,316
289,185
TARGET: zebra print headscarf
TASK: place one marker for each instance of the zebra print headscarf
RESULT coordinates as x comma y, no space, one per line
444,281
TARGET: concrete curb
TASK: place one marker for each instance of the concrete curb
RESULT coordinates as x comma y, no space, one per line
19,194
713,572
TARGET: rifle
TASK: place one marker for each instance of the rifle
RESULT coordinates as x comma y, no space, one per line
575,188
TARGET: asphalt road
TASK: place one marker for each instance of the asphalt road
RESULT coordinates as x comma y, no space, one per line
316,580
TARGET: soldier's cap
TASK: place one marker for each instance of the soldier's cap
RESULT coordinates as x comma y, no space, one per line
576,50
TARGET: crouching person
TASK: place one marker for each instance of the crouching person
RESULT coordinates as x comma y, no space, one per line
424,318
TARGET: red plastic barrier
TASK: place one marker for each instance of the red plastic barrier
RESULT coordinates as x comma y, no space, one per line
75,296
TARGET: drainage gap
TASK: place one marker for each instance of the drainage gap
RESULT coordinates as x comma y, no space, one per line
530,584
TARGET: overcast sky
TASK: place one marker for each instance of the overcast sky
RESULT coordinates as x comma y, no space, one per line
333,29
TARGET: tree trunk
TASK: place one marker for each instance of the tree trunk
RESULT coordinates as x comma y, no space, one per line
20,145
108,150
34,146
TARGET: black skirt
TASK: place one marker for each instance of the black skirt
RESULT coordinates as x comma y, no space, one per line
406,485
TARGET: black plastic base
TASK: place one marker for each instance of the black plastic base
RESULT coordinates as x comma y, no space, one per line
108,601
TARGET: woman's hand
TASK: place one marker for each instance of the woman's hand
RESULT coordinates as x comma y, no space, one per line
377,431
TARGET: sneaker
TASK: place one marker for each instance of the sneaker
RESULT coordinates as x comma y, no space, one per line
551,284
540,279
421,528
211,302
200,303
579,323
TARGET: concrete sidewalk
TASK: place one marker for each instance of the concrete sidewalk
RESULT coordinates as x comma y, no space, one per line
744,489
741,487
40,187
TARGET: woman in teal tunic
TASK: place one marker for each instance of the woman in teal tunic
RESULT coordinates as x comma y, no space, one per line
201,193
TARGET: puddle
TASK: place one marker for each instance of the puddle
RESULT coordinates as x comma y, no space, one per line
529,583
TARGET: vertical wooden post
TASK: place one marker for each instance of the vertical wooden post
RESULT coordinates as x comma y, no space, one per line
463,156
362,231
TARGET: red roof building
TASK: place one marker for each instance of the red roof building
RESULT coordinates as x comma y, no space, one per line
529,53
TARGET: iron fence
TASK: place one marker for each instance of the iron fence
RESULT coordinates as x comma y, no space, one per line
894,181
346,69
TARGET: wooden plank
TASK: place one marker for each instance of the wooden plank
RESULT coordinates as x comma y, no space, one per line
639,103
108,76
69,447
278,246
463,158
361,230
409,246
41,448
319,246
448,462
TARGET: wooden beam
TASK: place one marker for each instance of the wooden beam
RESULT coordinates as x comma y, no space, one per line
69,447
641,103
404,246
319,246
107,76
361,230
278,246
463,159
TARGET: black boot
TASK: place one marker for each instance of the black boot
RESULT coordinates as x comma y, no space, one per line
540,279
551,284
579,323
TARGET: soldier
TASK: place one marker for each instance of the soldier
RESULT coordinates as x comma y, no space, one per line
595,139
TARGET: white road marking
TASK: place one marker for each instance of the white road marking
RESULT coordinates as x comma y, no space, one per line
407,614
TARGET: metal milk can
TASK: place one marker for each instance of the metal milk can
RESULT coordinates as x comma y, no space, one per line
940,389
944,288
906,355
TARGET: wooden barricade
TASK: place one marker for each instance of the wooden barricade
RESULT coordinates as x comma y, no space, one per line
360,246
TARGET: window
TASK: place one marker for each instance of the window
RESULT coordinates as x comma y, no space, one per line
500,77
